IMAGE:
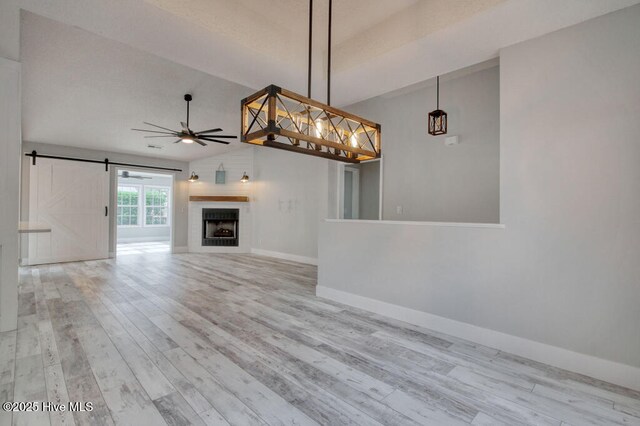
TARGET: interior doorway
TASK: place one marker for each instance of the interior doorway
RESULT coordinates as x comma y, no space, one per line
360,190
351,208
143,212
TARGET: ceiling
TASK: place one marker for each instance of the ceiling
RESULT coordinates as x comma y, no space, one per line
361,29
83,90
115,64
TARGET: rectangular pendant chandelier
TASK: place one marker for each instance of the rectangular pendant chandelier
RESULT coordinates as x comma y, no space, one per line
277,118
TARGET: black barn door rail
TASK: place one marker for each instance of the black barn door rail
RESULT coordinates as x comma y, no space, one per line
106,162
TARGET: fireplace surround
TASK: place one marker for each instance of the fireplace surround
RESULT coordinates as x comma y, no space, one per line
197,227
220,227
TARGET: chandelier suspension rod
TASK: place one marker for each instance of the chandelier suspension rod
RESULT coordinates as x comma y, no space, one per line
437,92
310,43
329,58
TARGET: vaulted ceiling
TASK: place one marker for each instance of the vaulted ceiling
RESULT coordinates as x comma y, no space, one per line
83,90
128,61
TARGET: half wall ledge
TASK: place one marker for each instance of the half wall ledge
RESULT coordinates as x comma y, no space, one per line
417,223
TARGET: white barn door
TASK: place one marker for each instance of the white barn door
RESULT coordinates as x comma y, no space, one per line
72,198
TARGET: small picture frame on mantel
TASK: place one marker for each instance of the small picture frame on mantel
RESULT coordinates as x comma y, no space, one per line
220,175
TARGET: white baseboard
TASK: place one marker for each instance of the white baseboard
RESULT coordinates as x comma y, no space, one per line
182,249
286,256
49,260
609,371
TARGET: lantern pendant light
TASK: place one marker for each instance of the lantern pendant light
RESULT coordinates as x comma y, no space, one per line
437,117
278,118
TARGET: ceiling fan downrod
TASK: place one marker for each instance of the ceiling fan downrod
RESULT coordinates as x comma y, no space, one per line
188,98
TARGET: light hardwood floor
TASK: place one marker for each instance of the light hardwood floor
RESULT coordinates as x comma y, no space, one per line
239,339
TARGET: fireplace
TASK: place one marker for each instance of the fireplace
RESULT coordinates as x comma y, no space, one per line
220,227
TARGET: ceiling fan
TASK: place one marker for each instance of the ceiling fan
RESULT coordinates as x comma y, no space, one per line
125,174
186,135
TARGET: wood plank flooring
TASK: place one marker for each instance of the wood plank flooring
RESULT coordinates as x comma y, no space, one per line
155,339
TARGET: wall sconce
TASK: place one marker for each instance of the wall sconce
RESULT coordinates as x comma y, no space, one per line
194,177
244,178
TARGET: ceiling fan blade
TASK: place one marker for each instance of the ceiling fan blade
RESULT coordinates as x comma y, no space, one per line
154,131
178,141
159,127
200,142
215,140
219,136
218,129
207,138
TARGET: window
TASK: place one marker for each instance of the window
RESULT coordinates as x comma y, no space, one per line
156,205
143,205
128,205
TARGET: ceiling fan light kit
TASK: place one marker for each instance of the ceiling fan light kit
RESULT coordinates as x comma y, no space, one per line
186,135
278,118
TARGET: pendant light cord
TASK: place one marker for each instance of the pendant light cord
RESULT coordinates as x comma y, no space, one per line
329,58
310,43
438,92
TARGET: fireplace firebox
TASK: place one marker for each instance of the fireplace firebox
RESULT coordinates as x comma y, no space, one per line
220,227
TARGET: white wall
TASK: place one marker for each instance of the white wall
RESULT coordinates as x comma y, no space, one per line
145,233
133,234
565,271
10,136
287,195
431,181
180,189
290,200
9,190
234,163
287,192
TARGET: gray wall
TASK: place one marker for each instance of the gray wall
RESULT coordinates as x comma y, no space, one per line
180,190
433,182
289,193
565,271
370,190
